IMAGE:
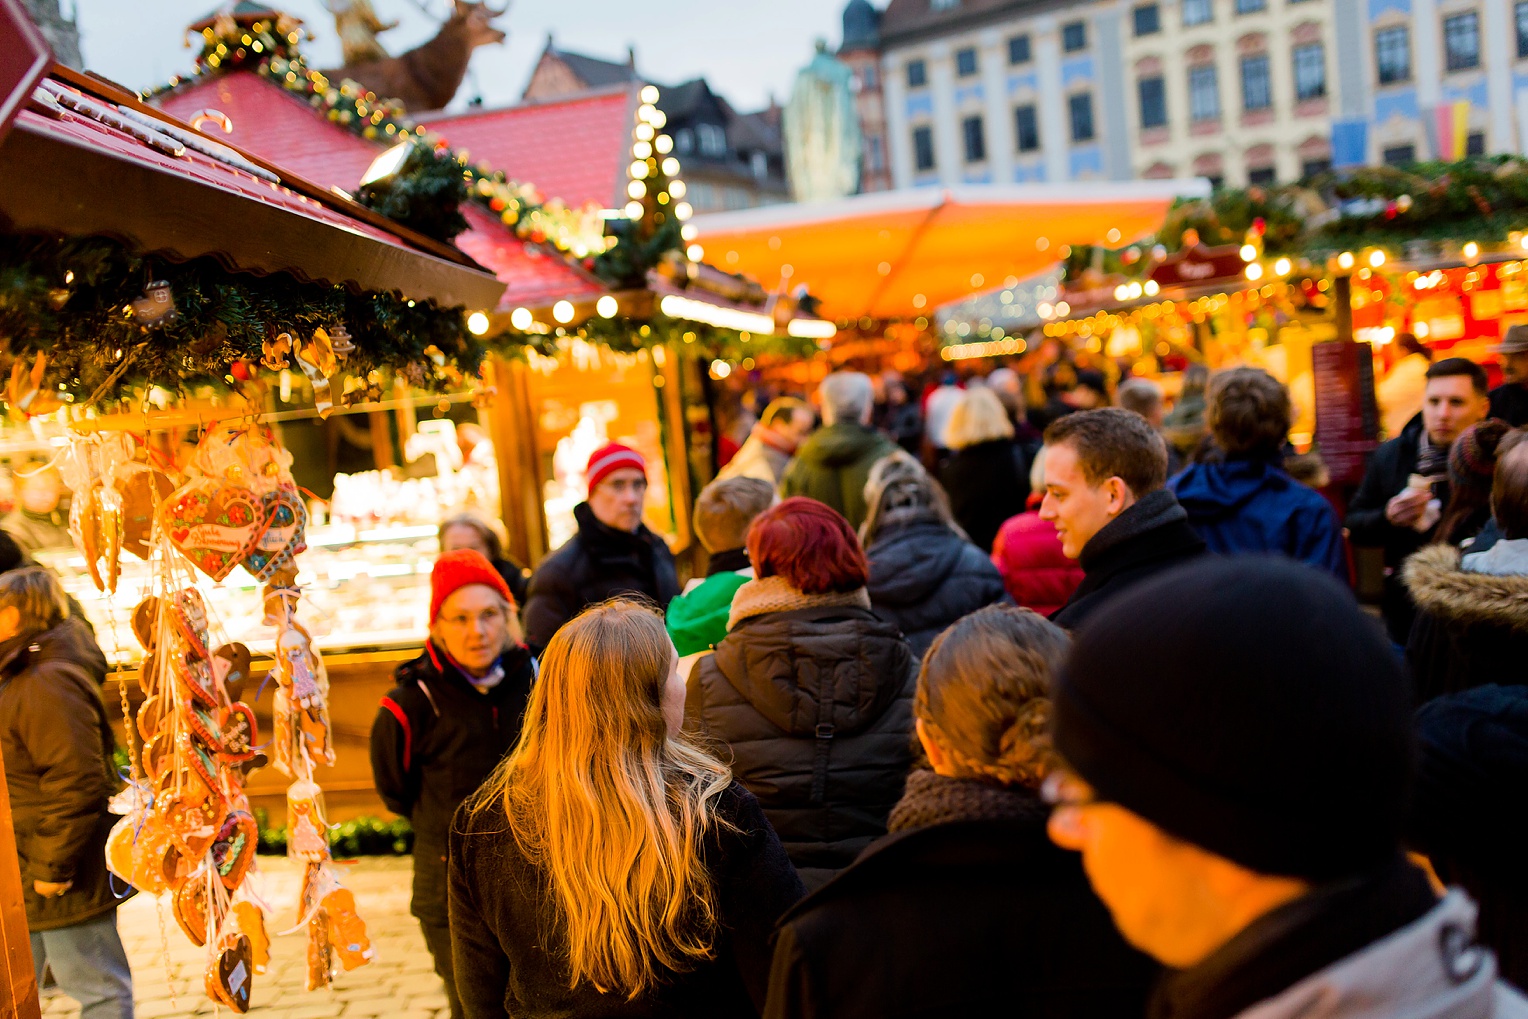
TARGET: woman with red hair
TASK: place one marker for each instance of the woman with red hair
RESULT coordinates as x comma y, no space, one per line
811,690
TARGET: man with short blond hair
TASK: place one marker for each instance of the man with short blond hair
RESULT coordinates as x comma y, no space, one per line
781,430
1104,476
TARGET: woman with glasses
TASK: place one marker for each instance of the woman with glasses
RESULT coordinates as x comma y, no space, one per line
971,909
611,867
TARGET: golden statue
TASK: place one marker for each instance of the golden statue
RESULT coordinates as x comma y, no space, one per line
358,26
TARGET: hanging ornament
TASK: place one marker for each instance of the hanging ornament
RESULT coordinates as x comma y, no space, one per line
156,307
24,393
340,343
276,351
317,361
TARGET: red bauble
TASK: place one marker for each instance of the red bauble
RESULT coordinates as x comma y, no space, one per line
240,370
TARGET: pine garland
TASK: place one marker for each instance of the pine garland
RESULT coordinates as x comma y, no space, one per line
425,194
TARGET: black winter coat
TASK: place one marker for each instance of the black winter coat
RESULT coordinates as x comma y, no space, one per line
1471,628
924,576
597,564
1390,467
971,916
816,706
1149,538
987,483
57,744
506,946
434,740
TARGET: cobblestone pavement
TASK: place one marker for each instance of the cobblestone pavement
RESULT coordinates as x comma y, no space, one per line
399,983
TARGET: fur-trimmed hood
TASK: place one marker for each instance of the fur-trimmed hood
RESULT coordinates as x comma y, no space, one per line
1440,587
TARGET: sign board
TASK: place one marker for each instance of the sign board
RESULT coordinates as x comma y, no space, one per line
1200,266
1347,414
24,59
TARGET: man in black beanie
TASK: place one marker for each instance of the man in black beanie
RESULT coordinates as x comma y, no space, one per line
1238,739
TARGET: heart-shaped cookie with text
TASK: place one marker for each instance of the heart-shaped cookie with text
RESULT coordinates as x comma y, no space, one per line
284,536
234,848
213,524
229,972
239,733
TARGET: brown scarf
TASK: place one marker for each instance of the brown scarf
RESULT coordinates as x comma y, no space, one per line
775,594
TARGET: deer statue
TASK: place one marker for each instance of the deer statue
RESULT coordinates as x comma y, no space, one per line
427,76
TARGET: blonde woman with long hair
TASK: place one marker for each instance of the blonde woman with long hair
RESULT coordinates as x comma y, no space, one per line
610,866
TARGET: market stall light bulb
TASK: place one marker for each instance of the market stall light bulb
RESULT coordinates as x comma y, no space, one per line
696,252
1282,267
646,112
1248,253
521,319
1376,258
1136,290
649,94
689,232
1152,288
562,311
1345,260
720,369
638,169
636,189
477,323
1121,292
1523,243
1254,271
677,188
664,144
633,210
645,133
1472,250
658,119
641,150
607,306
670,166
682,211
1420,329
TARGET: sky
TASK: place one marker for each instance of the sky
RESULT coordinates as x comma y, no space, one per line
747,49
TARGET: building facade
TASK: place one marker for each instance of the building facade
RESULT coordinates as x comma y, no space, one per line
861,52
1240,91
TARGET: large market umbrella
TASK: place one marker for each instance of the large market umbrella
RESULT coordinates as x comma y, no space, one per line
900,254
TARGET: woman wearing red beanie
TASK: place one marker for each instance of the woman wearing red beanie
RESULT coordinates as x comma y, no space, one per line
811,689
455,712
613,555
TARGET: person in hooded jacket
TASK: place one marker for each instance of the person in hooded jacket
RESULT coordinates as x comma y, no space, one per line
1472,607
614,554
976,913
924,573
697,619
810,690
1028,554
833,465
1472,760
57,742
454,712
1241,501
987,477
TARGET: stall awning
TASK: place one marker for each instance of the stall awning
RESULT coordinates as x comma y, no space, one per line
84,161
901,254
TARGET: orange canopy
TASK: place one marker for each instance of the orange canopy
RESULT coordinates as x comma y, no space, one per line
901,254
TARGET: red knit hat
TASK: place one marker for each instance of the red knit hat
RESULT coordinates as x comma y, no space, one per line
458,568
615,457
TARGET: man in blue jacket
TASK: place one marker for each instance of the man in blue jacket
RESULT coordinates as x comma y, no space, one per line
1242,501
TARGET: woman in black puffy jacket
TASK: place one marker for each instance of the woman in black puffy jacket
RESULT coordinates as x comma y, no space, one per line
924,572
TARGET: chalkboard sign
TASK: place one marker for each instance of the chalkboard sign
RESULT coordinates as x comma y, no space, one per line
1347,414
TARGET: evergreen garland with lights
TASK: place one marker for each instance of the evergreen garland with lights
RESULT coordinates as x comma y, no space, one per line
425,194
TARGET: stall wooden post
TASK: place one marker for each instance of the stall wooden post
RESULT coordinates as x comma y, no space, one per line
512,428
18,984
671,402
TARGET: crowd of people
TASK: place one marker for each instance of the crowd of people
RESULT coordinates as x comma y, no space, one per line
1053,699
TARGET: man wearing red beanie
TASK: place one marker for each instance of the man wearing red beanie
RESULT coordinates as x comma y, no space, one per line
455,712
612,554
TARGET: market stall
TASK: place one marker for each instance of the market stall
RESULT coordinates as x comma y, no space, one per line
151,340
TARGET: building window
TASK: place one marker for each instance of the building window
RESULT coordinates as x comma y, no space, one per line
872,77
875,155
1461,41
1400,155
1203,93
944,5
1251,6
758,163
1217,181
1392,54
1148,19
1522,29
1026,128
1475,144
975,139
1314,167
923,148
1153,102
1081,109
703,196
712,139
1263,176
1198,12
1018,50
1310,71
965,62
1257,86
1074,36
684,141
917,74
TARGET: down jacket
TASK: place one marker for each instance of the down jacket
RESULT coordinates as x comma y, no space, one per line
1471,628
813,696
924,576
57,743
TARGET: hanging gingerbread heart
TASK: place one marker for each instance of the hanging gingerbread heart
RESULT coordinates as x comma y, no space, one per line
213,524
191,822
284,535
151,717
234,848
145,619
156,754
157,863
239,735
195,676
230,666
142,488
191,909
229,972
200,724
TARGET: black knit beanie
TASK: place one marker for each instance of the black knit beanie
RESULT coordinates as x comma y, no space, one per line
1248,706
